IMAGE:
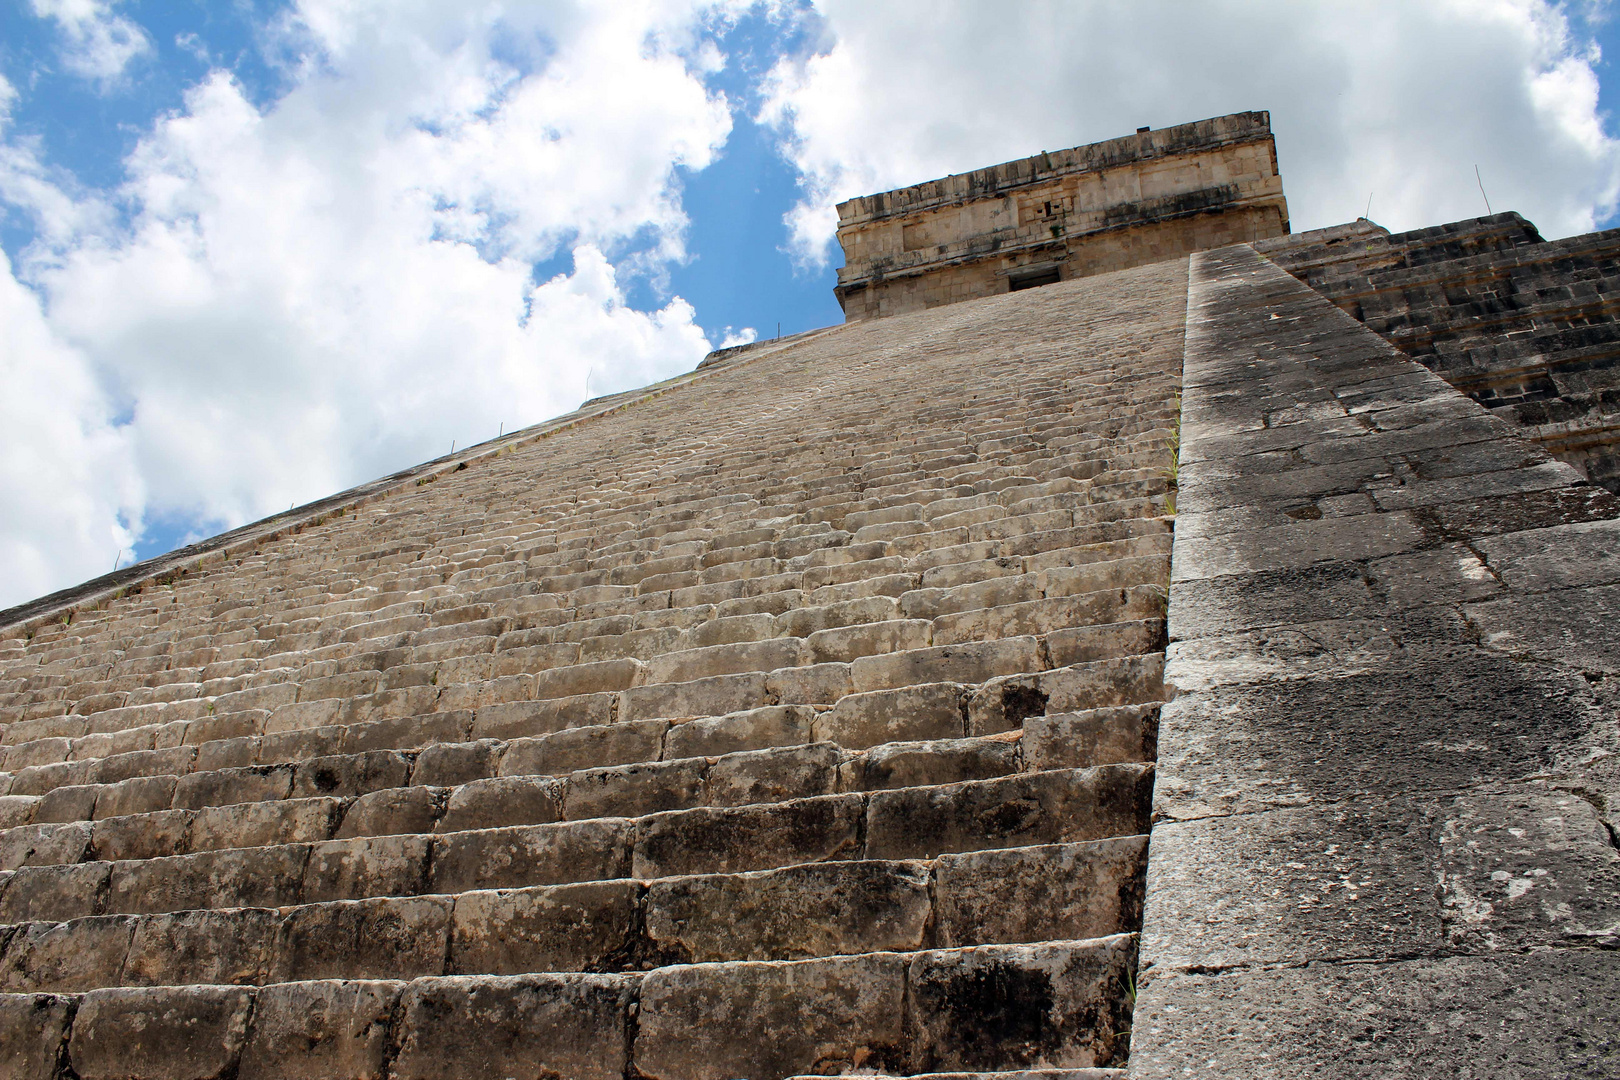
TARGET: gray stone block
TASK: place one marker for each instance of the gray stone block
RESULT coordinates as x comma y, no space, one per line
486,1028
172,1033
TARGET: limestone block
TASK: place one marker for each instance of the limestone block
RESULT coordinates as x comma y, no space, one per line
234,753
165,1033
753,729
65,957
33,1028
43,845
713,696
604,676
1092,737
16,809
634,790
813,684
365,867
715,840
449,764
967,663
259,783
1015,811
934,711
137,795
350,774
264,824
76,802
219,947
925,764
53,893
801,622
710,661
149,836
1061,891
1057,1004
384,938
518,719
1004,703
824,1015
552,928
516,857
1525,867
792,913
251,877
584,748
848,643
489,1028
775,775
171,761
320,1031
398,810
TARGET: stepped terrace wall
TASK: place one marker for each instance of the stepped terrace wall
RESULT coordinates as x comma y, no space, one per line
798,717
1526,327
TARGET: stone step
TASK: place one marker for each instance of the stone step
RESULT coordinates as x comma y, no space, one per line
55,740
488,652
341,761
1000,896
1059,806
1060,741
1063,1003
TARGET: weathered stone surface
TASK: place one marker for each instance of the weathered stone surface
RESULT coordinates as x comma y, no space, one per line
1018,811
917,712
788,914
1455,1016
487,1028
65,958
1357,771
586,927
1104,736
184,1033
219,947
532,855
1346,881
320,1031
756,729
1525,867
53,893
32,1030
707,841
374,866
1059,891
1059,1004
506,800
1461,711
824,1016
390,938
921,764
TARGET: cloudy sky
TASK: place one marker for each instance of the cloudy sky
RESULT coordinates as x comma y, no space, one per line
256,252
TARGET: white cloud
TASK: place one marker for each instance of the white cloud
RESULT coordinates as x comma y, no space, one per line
97,43
66,477
1388,98
307,294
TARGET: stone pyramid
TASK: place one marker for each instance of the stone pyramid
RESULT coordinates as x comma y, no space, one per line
811,713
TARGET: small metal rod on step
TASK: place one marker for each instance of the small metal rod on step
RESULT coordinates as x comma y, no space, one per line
1488,211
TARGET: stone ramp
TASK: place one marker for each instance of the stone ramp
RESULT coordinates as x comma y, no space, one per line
1386,803
799,718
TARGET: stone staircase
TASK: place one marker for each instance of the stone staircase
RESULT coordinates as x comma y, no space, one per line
798,719
1526,327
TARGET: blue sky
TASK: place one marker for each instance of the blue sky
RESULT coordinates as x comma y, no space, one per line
260,251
